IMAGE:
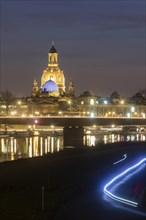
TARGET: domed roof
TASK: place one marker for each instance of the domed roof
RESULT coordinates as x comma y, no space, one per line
53,49
50,86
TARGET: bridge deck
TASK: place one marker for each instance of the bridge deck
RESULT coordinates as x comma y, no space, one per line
72,121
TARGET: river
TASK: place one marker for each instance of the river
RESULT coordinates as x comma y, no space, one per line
22,145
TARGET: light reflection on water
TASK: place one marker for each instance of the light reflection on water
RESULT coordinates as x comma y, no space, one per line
23,147
12,148
91,140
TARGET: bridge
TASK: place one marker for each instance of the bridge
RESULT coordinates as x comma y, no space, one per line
73,121
73,127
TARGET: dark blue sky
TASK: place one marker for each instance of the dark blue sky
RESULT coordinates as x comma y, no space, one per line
101,44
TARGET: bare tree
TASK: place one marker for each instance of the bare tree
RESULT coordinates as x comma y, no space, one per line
6,98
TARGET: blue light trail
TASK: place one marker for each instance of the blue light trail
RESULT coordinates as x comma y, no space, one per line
125,156
117,198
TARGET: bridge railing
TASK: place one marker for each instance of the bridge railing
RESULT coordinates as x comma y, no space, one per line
75,116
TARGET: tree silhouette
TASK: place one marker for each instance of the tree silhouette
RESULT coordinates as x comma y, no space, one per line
6,98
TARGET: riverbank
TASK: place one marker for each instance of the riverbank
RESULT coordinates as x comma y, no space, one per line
63,175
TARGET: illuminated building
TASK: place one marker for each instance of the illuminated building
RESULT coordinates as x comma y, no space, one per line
52,79
51,96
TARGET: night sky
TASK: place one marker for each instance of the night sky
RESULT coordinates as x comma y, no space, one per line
101,44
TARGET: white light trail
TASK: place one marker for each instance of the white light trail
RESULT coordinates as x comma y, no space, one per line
125,156
117,198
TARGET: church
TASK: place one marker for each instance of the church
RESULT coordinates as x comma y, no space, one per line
52,79
51,95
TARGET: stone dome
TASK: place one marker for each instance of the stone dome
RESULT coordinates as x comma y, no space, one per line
50,86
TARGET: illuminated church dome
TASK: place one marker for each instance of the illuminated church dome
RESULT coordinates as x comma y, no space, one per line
50,86
53,71
52,79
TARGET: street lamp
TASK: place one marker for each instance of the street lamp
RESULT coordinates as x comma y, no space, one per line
69,102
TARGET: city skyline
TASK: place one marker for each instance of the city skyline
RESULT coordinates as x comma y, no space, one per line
101,44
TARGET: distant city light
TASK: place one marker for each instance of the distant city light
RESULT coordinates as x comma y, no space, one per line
37,113
92,115
132,109
128,115
143,115
105,102
3,106
122,102
91,101
36,133
13,113
19,102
